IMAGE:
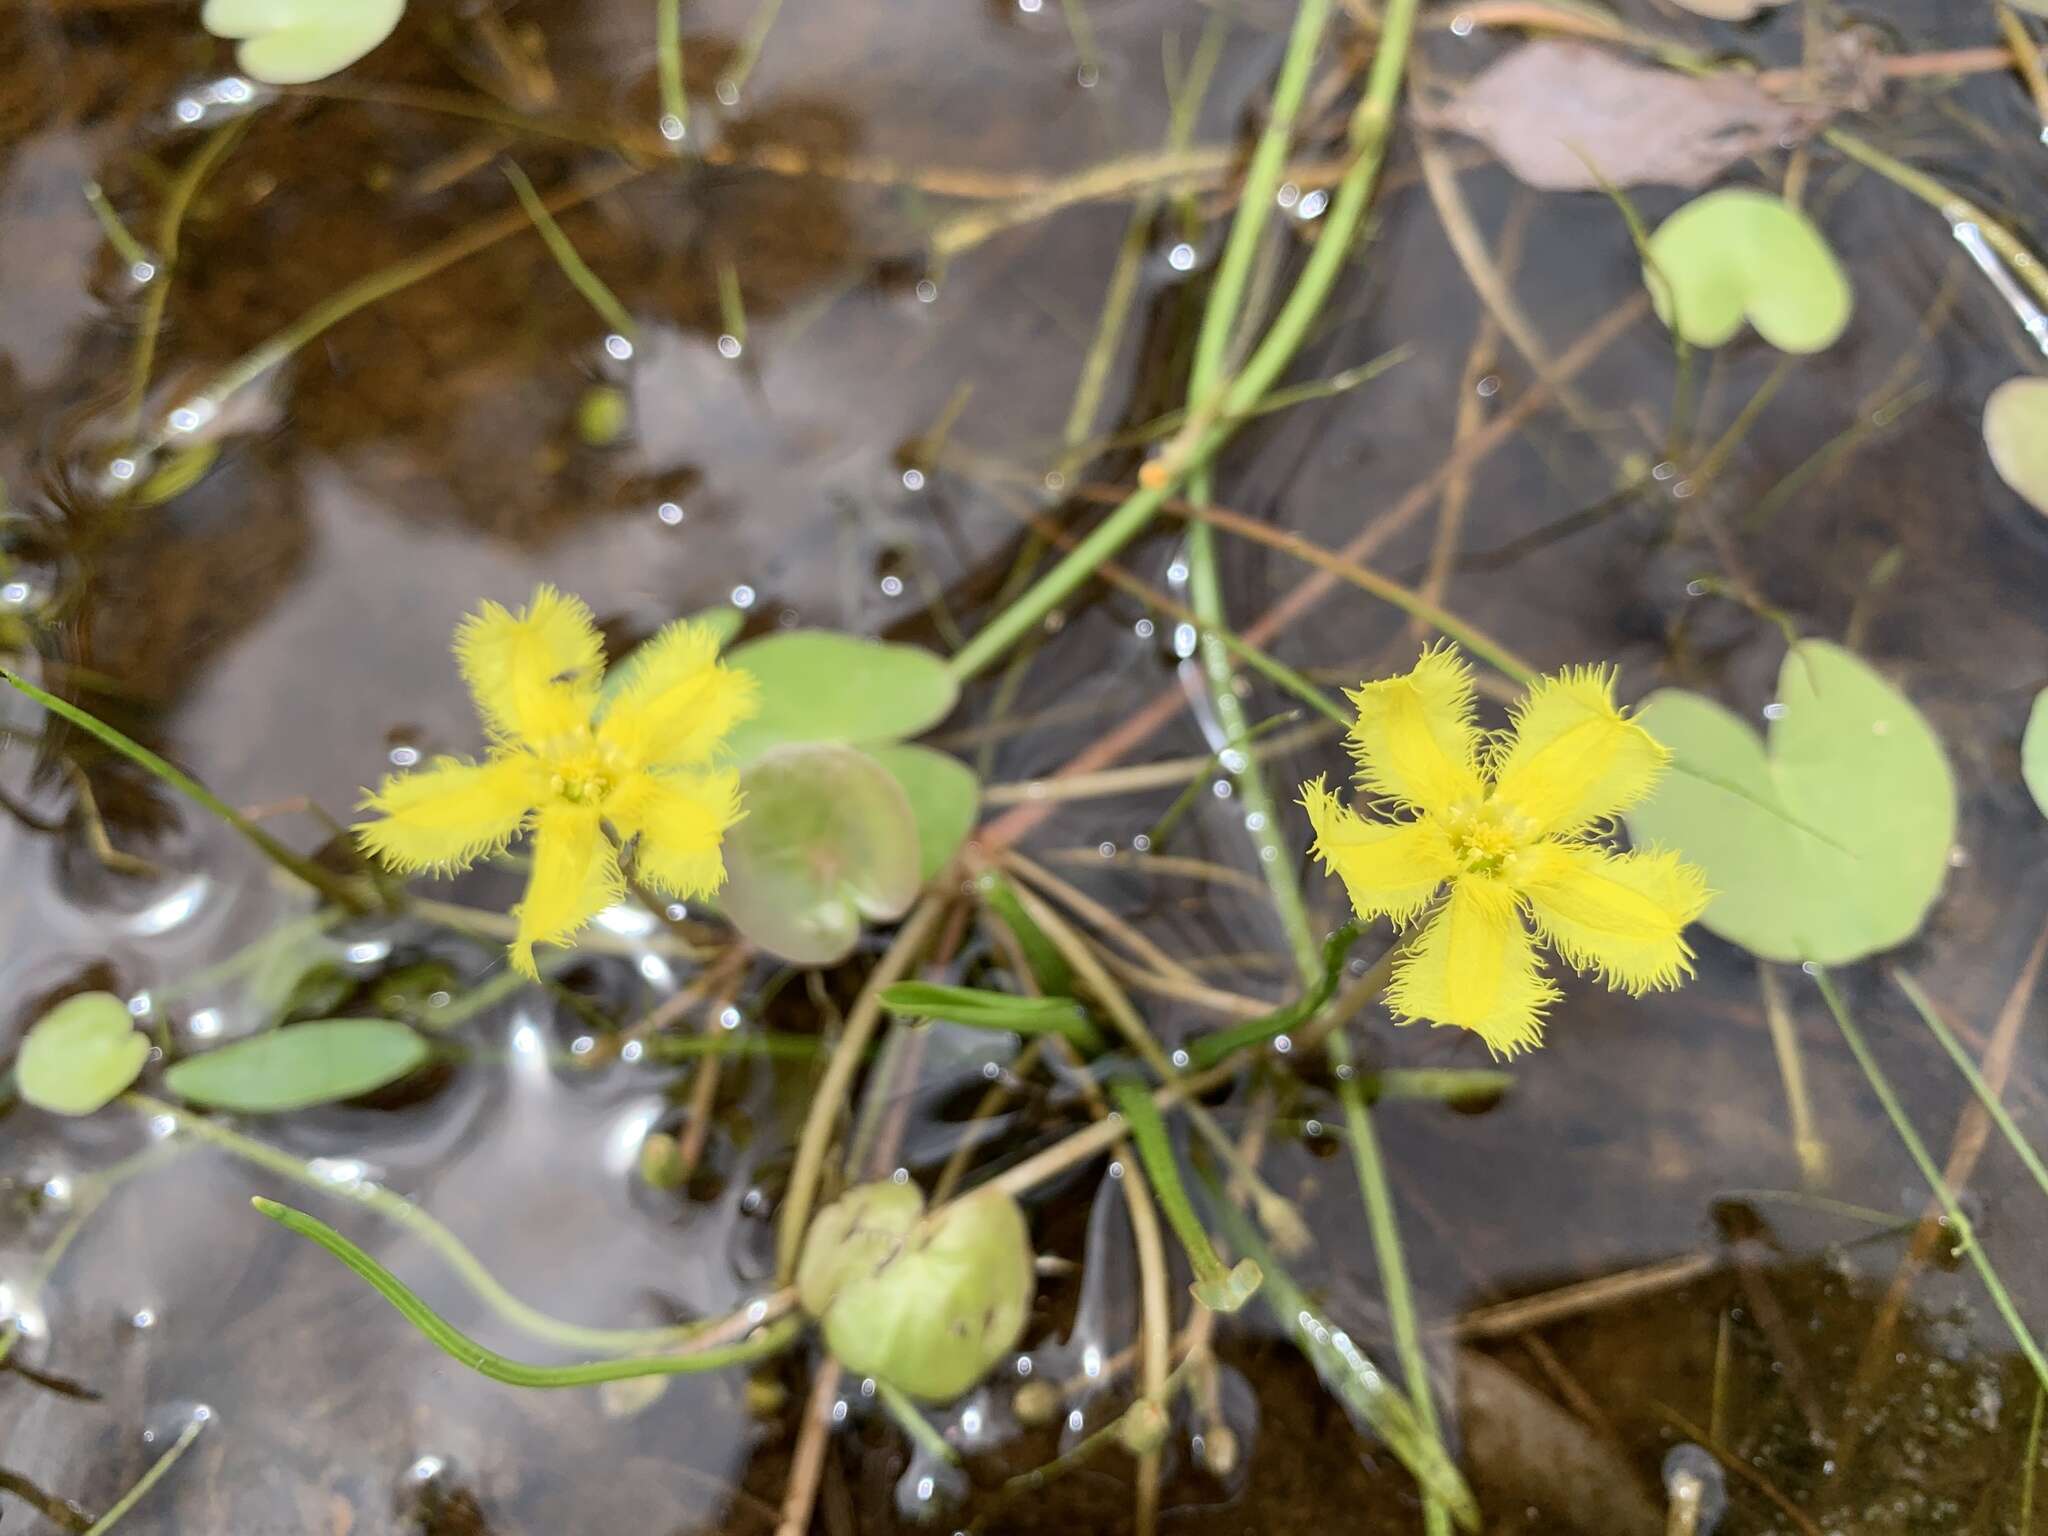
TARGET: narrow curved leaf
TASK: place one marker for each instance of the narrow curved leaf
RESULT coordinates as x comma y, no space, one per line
979,1009
300,1065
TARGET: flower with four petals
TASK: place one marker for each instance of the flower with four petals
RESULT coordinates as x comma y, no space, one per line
1491,837
569,760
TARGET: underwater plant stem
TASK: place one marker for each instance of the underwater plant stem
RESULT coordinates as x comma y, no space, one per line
1986,1096
199,1420
735,78
2032,1463
170,222
1206,1050
379,285
2026,55
1958,1223
911,1420
568,258
668,42
1385,1227
1807,1144
402,1212
807,1465
1958,210
1155,1331
768,1340
125,245
1371,125
334,887
829,1098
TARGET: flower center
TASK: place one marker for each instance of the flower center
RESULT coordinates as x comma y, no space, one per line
1485,835
584,773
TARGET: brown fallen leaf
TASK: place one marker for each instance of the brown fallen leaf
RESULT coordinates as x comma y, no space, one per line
1563,115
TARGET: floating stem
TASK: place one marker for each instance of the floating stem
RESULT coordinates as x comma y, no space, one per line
200,1419
1218,1288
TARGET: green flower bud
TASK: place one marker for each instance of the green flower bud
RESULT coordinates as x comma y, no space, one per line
925,1302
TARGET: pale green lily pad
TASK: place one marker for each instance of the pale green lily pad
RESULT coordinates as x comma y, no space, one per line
1737,254
820,686
2016,433
944,794
1829,847
80,1055
829,841
926,1301
300,1065
2034,752
291,42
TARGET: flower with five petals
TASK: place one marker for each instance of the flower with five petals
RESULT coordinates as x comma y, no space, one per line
1491,837
568,762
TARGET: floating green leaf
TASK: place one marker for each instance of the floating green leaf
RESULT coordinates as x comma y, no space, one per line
927,1301
979,1009
820,686
291,42
1738,254
829,841
299,1066
80,1055
2034,752
1830,847
2016,433
944,794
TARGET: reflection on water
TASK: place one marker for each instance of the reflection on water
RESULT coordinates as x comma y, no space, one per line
280,627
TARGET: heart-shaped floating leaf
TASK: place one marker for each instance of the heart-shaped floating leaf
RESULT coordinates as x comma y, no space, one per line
1833,844
829,841
289,42
2034,752
299,1066
1739,254
926,1301
2016,433
80,1054
944,794
820,686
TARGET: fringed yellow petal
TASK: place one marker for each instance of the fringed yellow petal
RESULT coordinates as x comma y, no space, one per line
1415,738
1621,917
1474,966
451,813
1389,869
1574,758
679,700
534,673
575,877
681,820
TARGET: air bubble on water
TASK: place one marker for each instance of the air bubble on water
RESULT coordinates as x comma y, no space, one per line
57,1192
742,597
926,290
163,1127
839,1411
404,757
1177,573
1141,844
632,1051
122,469
1055,481
205,1024
1288,195
913,479
1255,822
1682,489
672,128
1774,711
1461,25
1487,387
990,1071
1695,589
1142,629
1074,1421
1312,206
582,1045
1181,1059
1116,1170
669,513
142,1319
340,1172
728,93
1233,760
900,1176
1221,789
1087,77
867,1386
1030,7
1663,471
730,346
757,1310
1023,1365
618,346
190,418
729,1017
1283,1044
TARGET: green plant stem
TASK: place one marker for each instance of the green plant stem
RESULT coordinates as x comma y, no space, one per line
750,47
1216,1287
911,1420
377,286
152,1477
334,887
1951,206
574,267
1371,124
2000,1116
668,42
830,1096
1207,1050
460,1346
401,1212
170,221
2032,1463
125,245
1959,1224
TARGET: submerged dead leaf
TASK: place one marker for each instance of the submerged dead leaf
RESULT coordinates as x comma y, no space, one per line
1564,115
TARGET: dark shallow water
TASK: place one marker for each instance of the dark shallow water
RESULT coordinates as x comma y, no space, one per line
281,629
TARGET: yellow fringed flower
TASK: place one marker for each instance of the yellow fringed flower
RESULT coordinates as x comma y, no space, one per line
569,764
1507,830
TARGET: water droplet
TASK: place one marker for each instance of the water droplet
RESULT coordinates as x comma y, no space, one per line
188,110
1182,1059
122,469
1184,640
1107,850
743,597
1312,206
927,291
1142,629
1141,843
892,586
1695,589
729,1017
672,128
727,92
1221,789
1283,1044
913,479
1087,77
1774,711
143,1318
403,757
1683,489
1488,387
1461,25
1663,471
205,1024
1055,481
632,1051
1030,7
142,272
618,346
839,1411
729,346
1182,257
669,513
1023,1365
